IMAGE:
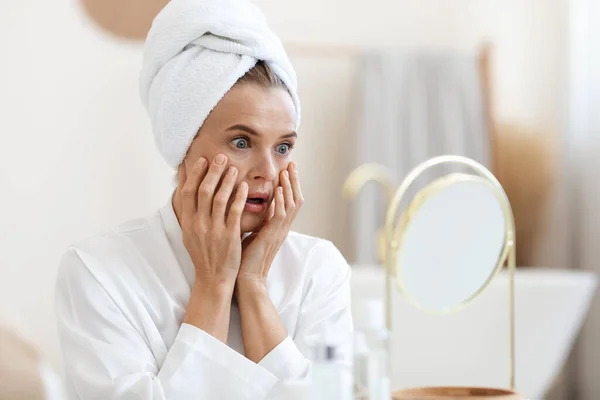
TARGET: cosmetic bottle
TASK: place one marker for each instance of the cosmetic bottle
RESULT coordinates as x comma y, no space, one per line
371,352
331,375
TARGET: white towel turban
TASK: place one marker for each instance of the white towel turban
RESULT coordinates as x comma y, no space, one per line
195,52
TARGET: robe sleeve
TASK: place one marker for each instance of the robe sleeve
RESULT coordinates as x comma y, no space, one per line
106,357
325,306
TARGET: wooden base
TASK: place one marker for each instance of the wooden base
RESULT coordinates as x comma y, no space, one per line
447,393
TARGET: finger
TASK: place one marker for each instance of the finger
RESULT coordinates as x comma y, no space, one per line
288,194
295,181
223,194
270,212
279,204
268,217
206,191
237,207
190,186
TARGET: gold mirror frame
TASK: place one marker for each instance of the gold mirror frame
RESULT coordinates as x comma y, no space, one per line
357,179
393,236
415,205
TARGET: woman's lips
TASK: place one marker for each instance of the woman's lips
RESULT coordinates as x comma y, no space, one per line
257,202
255,207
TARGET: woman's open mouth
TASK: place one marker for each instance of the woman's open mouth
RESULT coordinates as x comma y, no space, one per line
256,202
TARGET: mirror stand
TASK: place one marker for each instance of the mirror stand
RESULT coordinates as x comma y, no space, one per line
394,228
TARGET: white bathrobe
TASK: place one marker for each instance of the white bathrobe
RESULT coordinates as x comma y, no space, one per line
122,296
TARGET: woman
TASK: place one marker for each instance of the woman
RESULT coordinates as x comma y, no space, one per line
212,297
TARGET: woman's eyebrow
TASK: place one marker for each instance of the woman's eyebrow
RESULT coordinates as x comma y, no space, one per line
252,132
289,135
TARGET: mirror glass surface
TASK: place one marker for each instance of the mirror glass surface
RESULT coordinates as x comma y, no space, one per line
451,240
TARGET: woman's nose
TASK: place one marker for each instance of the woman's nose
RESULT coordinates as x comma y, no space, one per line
264,168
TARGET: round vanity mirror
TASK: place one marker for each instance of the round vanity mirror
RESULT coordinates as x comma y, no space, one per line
444,249
451,242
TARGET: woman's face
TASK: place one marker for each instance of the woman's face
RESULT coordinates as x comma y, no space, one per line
254,127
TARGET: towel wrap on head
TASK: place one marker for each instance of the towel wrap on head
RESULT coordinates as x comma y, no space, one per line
195,52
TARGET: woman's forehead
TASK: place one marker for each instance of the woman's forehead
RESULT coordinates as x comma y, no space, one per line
265,110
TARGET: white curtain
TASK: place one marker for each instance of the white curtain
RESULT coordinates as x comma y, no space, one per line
414,106
583,137
573,237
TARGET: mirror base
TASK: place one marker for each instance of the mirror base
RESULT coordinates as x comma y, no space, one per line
458,392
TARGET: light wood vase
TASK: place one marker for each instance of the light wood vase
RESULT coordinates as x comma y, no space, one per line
448,393
128,19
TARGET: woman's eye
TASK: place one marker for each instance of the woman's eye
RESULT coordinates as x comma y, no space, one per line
283,148
240,143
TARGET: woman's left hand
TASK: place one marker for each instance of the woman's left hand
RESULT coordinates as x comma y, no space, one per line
261,247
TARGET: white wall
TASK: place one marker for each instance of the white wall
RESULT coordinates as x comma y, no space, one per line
529,38
76,154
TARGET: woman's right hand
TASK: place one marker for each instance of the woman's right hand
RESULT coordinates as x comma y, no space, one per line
211,233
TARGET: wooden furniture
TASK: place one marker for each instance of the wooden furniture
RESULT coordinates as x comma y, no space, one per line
455,393
523,160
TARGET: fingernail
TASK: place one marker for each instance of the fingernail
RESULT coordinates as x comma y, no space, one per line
286,174
220,159
294,166
232,170
202,161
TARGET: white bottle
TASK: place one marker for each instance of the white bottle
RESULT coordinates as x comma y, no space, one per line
331,377
371,352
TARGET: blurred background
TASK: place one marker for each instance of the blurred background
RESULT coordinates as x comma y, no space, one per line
77,156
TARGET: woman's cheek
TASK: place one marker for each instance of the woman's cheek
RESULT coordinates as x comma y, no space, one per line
236,158
285,162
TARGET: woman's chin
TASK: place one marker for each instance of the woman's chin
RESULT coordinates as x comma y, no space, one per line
251,221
